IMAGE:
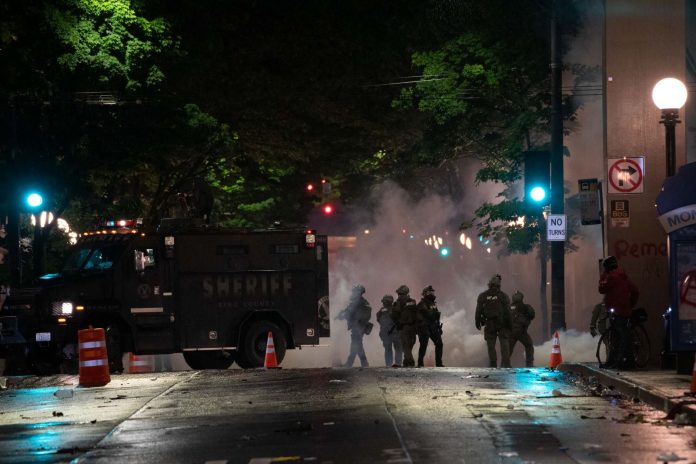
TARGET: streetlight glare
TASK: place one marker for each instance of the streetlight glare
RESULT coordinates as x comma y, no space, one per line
537,193
34,200
669,93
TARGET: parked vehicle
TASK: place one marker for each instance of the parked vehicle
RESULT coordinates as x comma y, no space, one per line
211,293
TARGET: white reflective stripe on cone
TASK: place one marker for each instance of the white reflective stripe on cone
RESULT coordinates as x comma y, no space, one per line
88,345
92,363
555,350
270,349
139,363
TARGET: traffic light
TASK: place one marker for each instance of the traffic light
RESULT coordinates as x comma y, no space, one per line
327,209
537,178
33,200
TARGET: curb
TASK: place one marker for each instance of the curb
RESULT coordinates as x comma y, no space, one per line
648,395
33,381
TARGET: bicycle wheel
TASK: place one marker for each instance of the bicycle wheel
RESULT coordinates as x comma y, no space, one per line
641,345
604,348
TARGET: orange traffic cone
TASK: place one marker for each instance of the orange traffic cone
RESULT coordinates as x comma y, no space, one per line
693,380
94,360
270,362
556,357
139,364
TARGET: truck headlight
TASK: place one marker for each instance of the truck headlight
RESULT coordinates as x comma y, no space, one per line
66,308
62,308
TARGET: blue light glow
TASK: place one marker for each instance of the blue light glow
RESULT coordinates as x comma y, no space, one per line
34,200
537,193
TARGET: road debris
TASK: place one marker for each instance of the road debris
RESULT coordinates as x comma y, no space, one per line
297,427
669,457
63,394
57,414
682,419
632,418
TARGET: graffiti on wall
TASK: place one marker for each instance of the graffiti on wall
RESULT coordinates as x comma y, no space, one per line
624,248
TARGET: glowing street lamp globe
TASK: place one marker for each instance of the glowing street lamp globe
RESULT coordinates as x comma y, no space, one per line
669,93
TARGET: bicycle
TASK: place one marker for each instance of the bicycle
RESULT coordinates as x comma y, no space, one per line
641,341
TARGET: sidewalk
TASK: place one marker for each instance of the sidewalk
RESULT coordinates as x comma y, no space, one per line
663,390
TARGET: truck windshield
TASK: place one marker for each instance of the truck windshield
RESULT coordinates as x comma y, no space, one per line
98,257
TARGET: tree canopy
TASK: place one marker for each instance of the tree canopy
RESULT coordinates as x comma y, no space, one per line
159,108
486,93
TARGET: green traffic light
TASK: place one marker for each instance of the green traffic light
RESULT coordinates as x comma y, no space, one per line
444,251
34,200
538,194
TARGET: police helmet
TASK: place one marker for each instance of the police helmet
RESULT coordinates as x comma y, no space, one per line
428,289
517,297
358,290
403,290
387,299
610,263
495,281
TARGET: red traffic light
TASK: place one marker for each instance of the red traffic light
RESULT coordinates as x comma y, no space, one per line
309,187
328,209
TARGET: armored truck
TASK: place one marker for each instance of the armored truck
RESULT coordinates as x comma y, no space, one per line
212,293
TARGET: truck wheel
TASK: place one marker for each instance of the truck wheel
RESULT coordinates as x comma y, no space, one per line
254,345
216,359
114,349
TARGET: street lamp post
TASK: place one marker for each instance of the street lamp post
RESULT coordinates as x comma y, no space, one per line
669,95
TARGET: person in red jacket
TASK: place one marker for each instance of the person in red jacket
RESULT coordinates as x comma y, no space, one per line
620,296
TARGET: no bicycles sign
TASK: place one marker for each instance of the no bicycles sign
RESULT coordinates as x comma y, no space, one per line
626,175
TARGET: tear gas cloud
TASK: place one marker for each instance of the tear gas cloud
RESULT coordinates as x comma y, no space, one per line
395,253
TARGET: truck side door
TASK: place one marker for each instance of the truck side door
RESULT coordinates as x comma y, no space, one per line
147,295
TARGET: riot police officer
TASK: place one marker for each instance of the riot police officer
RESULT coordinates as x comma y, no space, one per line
493,313
406,318
522,315
430,327
388,333
357,314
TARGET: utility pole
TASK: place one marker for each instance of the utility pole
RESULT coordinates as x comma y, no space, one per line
557,187
14,256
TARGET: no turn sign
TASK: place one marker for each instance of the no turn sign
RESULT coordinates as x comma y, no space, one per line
556,227
626,175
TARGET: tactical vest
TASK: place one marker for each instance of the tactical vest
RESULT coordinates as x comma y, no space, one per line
429,313
406,312
493,306
520,315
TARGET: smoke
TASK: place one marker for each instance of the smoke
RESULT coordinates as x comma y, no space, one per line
395,253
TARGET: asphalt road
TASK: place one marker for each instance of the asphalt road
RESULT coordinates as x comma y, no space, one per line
450,415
